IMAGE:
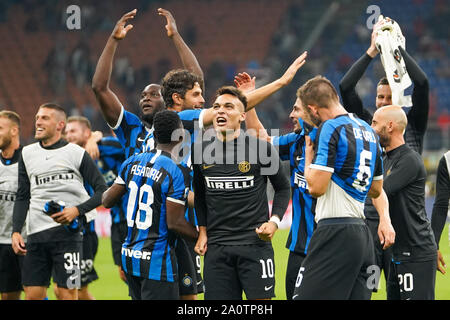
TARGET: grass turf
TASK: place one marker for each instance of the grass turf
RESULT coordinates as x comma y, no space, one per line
110,287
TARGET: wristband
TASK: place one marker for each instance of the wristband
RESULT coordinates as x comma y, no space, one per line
276,220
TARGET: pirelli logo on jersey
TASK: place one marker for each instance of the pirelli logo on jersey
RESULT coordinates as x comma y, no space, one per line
7,196
55,176
230,183
300,181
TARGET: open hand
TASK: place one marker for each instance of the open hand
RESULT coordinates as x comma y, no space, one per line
120,30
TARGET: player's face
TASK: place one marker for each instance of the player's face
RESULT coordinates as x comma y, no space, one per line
77,133
311,116
295,114
5,133
47,122
151,100
380,127
228,113
193,99
384,96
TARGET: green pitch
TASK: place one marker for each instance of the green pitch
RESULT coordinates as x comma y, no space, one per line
110,287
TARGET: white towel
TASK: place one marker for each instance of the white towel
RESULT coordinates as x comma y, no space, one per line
389,38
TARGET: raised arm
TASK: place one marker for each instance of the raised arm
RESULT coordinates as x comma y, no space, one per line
109,103
347,86
418,115
186,55
256,96
245,83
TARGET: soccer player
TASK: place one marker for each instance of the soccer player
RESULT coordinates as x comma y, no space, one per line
53,170
441,203
414,263
157,191
346,167
137,135
417,119
290,147
10,263
231,203
78,131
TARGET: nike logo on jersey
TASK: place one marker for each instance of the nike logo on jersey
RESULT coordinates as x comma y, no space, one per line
266,288
299,158
208,166
140,139
47,157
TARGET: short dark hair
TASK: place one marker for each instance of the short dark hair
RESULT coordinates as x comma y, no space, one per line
165,122
178,81
383,82
234,92
317,91
54,106
11,116
80,119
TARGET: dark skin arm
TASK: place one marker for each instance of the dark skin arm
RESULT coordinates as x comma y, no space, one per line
177,222
113,195
109,102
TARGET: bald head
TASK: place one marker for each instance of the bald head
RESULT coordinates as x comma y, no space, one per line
389,122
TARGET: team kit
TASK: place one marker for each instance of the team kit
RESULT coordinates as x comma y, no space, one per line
184,181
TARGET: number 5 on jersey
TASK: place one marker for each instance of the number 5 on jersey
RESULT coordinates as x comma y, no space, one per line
144,211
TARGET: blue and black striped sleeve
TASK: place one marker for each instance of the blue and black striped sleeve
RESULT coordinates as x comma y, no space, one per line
326,143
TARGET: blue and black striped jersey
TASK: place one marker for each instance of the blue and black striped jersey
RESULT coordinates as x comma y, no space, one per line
111,158
292,147
347,147
151,179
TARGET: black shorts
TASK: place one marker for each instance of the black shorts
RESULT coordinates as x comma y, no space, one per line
61,257
148,289
187,272
337,264
230,270
10,269
118,234
294,263
382,257
413,280
196,260
90,246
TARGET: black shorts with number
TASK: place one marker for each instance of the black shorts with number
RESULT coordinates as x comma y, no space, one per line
118,235
148,289
413,280
230,270
188,280
294,263
10,269
61,257
90,246
338,260
196,260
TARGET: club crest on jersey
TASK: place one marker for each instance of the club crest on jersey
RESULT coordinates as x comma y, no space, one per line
244,166
230,183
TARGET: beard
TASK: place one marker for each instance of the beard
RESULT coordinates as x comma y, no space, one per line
5,142
384,138
148,117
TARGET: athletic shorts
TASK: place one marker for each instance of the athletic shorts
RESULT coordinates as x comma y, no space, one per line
63,258
382,257
118,235
294,263
148,289
196,260
10,269
413,280
230,270
337,264
90,246
187,273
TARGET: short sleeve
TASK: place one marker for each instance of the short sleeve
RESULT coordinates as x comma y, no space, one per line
325,144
